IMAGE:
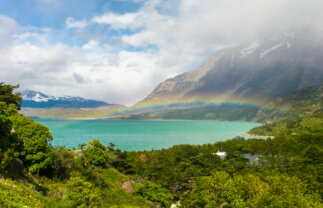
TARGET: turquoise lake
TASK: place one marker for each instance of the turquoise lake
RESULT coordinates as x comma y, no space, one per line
143,134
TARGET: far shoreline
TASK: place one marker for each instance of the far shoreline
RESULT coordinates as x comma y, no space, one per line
246,134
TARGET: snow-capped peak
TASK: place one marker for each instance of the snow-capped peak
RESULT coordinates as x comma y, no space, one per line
35,96
35,99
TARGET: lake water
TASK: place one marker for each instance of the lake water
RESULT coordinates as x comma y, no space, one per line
143,135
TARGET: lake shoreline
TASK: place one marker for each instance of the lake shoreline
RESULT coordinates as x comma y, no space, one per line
257,136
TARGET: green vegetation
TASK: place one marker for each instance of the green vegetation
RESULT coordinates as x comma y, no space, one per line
96,153
284,171
222,190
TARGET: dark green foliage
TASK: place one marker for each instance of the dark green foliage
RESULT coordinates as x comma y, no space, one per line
8,96
154,193
221,190
21,136
172,166
313,154
82,194
34,139
96,153
9,103
61,163
8,139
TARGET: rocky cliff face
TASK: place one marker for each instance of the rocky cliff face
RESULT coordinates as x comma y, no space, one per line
263,69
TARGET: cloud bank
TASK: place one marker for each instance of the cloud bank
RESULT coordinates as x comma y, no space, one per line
139,49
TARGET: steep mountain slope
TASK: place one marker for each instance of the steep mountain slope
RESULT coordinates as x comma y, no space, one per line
33,99
263,69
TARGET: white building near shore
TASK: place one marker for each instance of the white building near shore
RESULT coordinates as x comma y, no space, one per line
222,155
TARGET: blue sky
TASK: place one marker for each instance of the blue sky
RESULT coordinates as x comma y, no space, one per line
53,13
120,50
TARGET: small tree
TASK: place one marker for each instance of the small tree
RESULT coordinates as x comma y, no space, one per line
96,153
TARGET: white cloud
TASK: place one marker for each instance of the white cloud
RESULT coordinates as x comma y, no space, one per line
91,45
129,20
8,27
203,26
71,23
90,71
169,37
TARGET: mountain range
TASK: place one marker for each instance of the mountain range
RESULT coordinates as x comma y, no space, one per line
262,69
33,99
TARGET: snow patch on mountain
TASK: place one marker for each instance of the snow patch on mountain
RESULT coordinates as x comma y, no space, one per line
264,53
39,98
250,49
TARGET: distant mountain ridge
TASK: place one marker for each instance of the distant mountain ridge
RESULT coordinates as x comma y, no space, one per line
262,69
34,99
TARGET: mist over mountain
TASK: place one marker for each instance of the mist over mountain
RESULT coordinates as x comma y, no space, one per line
272,66
33,99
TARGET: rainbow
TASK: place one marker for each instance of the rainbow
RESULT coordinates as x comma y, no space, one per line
163,104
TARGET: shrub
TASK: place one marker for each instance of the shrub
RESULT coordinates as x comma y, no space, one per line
96,153
82,194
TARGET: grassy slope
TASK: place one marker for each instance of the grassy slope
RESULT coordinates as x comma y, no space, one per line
43,192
